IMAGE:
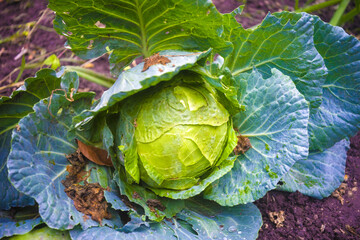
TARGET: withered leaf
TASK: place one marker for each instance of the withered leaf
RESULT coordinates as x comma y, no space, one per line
94,154
153,60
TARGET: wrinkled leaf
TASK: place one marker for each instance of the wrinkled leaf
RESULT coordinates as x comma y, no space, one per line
129,29
10,227
211,221
155,231
134,80
275,121
15,107
214,176
284,41
339,114
200,220
140,195
320,174
37,162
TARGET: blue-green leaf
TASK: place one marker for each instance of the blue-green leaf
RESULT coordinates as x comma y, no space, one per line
9,196
15,107
37,162
140,195
320,174
135,80
275,121
10,227
339,114
155,231
200,220
133,28
211,221
283,41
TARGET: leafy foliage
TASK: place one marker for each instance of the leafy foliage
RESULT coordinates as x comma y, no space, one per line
129,29
277,142
10,227
42,142
15,107
339,114
288,87
320,174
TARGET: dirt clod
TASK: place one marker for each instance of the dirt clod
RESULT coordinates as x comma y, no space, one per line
153,60
339,193
127,202
136,195
88,197
154,203
278,218
243,145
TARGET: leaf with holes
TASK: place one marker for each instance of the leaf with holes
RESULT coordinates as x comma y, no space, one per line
15,107
37,163
275,121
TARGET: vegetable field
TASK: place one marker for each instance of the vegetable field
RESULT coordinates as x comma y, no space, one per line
154,119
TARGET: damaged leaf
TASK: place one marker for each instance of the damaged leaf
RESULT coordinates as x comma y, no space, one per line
155,203
88,197
153,60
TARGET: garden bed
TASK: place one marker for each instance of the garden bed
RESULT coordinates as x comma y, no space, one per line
285,215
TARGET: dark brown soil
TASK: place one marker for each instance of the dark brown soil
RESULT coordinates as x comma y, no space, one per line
285,215
336,217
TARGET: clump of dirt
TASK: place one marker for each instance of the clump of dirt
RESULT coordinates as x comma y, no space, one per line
88,197
154,204
278,218
127,202
153,60
243,145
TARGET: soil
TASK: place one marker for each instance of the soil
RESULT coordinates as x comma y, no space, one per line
88,197
285,215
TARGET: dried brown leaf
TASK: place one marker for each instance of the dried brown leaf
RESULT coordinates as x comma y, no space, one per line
153,60
94,154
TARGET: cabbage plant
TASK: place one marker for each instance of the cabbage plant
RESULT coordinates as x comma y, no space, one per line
213,118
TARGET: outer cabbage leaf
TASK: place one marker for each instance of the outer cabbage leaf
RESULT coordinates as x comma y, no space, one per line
155,231
140,195
339,114
275,121
215,174
10,227
211,221
44,233
15,107
37,162
284,41
199,220
129,29
320,174
135,80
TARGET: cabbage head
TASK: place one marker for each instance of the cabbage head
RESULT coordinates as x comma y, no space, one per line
181,133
